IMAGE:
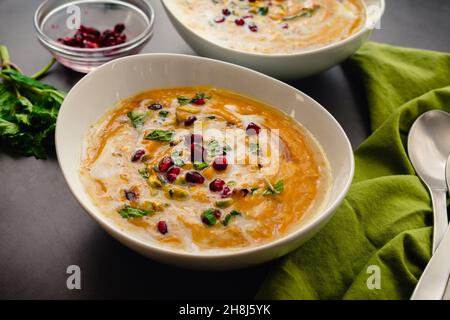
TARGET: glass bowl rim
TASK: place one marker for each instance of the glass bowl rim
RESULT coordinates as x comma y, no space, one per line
54,45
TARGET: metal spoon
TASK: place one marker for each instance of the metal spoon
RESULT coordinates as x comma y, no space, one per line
433,282
447,172
428,149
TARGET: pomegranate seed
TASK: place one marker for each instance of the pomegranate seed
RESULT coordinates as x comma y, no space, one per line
162,227
217,213
108,33
226,192
130,195
253,129
219,19
92,38
90,45
226,12
138,155
199,101
248,17
119,27
173,173
190,121
220,163
216,185
194,138
88,30
198,153
165,164
121,38
253,27
239,22
285,26
194,177
155,106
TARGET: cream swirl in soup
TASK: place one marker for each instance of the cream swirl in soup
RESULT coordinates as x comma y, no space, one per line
203,169
271,26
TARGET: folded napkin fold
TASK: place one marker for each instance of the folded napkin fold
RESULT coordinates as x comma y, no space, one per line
385,220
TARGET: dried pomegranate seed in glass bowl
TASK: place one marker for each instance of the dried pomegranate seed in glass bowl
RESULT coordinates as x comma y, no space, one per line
84,34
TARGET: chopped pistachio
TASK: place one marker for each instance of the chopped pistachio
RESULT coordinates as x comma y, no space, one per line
224,203
155,182
177,193
181,180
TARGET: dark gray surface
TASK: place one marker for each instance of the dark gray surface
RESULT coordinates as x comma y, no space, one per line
43,229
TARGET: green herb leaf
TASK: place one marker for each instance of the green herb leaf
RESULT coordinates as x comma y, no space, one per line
183,100
208,217
277,188
201,95
263,11
164,113
160,135
211,117
229,216
137,118
129,212
28,111
200,165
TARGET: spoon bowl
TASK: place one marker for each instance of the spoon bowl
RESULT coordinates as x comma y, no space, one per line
428,149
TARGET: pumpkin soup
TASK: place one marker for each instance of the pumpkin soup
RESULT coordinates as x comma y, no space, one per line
203,169
271,26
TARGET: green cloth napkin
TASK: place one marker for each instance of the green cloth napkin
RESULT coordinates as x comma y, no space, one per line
386,218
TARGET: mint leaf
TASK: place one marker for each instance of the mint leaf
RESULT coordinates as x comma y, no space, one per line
263,11
277,188
129,212
201,95
160,135
229,216
183,100
208,217
163,113
200,165
137,118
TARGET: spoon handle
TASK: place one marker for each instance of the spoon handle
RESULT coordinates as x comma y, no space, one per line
440,220
432,284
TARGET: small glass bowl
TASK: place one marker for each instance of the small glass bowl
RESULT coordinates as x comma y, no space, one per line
54,18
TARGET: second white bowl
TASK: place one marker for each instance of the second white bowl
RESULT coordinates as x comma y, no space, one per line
283,66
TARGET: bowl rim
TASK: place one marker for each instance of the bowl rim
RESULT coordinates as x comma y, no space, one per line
55,45
318,220
310,51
